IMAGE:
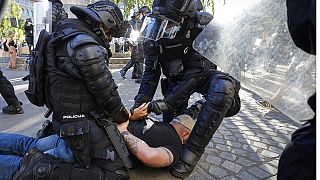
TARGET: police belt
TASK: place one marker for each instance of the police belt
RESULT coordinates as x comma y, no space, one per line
110,128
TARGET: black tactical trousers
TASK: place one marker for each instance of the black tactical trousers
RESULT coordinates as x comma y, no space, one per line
7,91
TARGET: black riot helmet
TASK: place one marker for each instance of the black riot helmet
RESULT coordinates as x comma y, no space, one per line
105,12
166,18
144,10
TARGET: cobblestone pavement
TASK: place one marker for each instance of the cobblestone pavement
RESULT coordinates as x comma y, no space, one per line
246,146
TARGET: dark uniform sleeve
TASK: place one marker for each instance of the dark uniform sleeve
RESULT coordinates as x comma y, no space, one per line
151,74
91,60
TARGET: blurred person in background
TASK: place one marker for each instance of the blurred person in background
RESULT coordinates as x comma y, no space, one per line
12,49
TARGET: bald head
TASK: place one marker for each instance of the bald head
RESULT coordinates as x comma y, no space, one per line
183,125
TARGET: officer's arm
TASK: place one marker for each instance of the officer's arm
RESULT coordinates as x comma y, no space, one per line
178,97
151,75
90,58
153,157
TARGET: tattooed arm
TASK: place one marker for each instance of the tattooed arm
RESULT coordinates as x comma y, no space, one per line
153,157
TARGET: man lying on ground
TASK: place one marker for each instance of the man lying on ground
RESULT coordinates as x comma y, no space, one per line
154,144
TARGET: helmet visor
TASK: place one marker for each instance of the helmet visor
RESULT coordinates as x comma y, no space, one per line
155,28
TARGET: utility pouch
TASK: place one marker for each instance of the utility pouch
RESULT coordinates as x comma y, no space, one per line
117,141
77,136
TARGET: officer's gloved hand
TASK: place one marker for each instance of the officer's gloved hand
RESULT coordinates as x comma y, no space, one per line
194,110
158,106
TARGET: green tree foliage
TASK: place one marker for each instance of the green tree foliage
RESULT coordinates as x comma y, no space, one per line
131,4
5,24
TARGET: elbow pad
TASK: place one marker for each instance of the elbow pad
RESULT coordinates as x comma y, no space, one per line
91,60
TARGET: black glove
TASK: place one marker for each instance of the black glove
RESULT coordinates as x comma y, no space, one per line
158,107
194,110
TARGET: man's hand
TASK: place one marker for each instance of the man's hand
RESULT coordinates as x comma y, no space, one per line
158,106
139,112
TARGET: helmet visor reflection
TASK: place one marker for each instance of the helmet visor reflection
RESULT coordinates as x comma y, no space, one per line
154,28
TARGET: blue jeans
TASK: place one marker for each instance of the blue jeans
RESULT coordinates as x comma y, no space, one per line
14,146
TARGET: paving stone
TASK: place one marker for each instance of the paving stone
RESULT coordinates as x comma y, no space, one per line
226,133
211,151
228,156
239,135
218,172
239,151
246,176
269,154
213,160
278,139
255,157
198,173
274,163
229,178
210,145
275,149
252,126
243,140
250,148
250,133
266,128
281,145
223,147
203,164
217,135
262,135
258,172
232,166
268,168
269,141
231,138
271,133
245,162
218,140
255,138
244,128
235,131
234,144
260,145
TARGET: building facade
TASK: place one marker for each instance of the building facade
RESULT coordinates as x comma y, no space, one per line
26,8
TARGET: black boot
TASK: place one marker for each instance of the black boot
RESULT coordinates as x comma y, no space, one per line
123,73
11,109
124,70
186,165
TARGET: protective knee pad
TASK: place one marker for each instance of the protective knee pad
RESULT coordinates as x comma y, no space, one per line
220,94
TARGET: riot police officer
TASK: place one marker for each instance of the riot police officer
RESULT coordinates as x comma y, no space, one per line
136,55
137,52
169,32
84,98
28,28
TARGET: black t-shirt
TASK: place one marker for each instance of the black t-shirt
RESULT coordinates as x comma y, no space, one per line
158,134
